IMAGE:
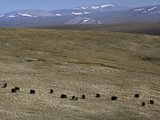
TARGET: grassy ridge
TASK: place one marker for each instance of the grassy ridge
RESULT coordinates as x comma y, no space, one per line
152,28
76,63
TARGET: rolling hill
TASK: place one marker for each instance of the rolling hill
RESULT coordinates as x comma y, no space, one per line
76,63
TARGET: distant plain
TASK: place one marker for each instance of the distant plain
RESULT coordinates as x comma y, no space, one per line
148,27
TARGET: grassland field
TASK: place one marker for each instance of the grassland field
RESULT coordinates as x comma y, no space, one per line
75,63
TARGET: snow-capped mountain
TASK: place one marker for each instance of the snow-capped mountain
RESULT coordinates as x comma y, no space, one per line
19,14
147,10
83,10
104,7
107,13
82,20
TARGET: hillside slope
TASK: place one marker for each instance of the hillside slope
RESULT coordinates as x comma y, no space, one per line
76,63
152,28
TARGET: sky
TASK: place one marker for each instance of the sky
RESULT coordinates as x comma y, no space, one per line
11,5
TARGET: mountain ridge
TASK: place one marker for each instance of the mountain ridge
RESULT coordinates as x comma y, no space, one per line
148,13
83,10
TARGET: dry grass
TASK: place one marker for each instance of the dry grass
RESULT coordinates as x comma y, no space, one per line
76,63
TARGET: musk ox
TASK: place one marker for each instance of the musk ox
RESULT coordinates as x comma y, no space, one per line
98,95
51,91
73,97
63,96
5,85
83,96
151,102
32,91
143,103
114,98
136,95
17,88
13,90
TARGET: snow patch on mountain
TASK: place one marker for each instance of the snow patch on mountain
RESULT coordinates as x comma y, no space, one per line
85,21
152,8
26,15
86,12
11,16
148,10
138,9
58,15
84,8
108,5
74,13
95,7
1,15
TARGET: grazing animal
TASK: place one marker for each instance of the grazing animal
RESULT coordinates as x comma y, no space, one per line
98,95
136,95
83,97
32,91
73,97
13,90
63,96
5,85
114,98
17,88
143,103
76,98
151,102
51,91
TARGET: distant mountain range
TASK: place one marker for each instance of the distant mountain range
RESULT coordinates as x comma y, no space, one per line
19,14
84,10
107,13
149,13
147,10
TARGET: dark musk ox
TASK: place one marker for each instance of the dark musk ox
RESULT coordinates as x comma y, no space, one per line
17,88
83,96
13,90
151,102
63,96
98,95
114,98
73,97
136,95
143,103
76,98
51,91
32,91
5,85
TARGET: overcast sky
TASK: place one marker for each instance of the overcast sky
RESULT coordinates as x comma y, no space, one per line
10,5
